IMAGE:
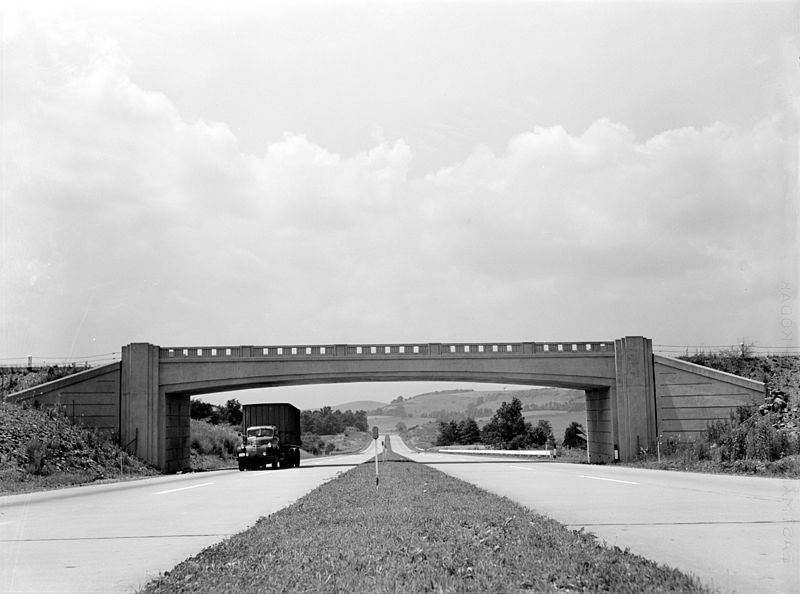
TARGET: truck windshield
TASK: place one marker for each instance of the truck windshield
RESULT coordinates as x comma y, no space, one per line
260,432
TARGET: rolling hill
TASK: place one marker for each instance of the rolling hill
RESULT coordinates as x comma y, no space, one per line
359,405
559,406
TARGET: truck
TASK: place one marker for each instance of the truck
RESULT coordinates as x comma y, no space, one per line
270,436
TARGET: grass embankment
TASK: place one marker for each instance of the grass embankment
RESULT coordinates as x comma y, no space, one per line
213,446
421,531
762,439
41,449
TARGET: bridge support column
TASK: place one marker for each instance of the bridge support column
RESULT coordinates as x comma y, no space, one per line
633,400
141,405
600,439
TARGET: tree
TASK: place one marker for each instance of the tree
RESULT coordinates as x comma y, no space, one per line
232,412
506,424
401,427
541,433
469,432
199,409
573,436
448,433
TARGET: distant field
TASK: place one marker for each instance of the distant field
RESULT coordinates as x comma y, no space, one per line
459,401
559,421
388,424
359,405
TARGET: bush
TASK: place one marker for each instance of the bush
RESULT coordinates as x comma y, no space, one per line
35,454
312,443
215,440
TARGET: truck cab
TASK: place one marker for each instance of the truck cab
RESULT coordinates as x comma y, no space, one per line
271,436
260,447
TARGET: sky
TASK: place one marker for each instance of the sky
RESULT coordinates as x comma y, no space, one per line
208,174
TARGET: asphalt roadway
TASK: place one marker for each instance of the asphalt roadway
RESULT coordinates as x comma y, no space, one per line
737,534
116,537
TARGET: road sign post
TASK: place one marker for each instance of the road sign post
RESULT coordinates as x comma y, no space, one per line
375,439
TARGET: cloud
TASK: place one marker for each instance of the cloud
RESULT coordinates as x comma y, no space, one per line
165,230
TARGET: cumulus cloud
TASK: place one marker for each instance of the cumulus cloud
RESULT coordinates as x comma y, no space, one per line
124,221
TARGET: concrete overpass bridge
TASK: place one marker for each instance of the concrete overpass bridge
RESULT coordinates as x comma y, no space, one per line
632,395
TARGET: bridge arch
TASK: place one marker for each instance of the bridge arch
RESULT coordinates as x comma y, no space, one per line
145,397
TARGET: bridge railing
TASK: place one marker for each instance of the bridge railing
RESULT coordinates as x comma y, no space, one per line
449,349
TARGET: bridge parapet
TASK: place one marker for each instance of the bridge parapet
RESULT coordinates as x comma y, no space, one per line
492,349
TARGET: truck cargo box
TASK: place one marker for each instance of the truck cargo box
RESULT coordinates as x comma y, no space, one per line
285,416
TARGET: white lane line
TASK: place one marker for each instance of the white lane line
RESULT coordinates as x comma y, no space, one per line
4,523
600,478
184,488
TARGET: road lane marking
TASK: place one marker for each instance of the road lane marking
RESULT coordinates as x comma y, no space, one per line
122,537
694,523
184,488
600,478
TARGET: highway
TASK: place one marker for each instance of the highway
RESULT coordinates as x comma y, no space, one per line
116,537
738,534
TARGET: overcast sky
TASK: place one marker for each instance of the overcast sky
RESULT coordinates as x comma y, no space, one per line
209,173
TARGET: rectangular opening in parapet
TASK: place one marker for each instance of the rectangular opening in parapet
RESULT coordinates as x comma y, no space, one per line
185,352
227,352
546,348
199,352
402,349
321,350
387,350
294,350
452,348
416,349
213,352
373,350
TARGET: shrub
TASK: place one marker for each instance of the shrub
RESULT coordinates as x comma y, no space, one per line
35,454
215,440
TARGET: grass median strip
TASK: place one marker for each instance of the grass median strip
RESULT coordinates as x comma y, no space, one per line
421,531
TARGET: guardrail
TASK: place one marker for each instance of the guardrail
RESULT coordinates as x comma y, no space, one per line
392,350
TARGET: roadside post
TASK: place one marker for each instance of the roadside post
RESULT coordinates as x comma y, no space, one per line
375,439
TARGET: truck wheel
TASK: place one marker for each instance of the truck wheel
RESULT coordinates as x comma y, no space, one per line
241,466
297,458
274,464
